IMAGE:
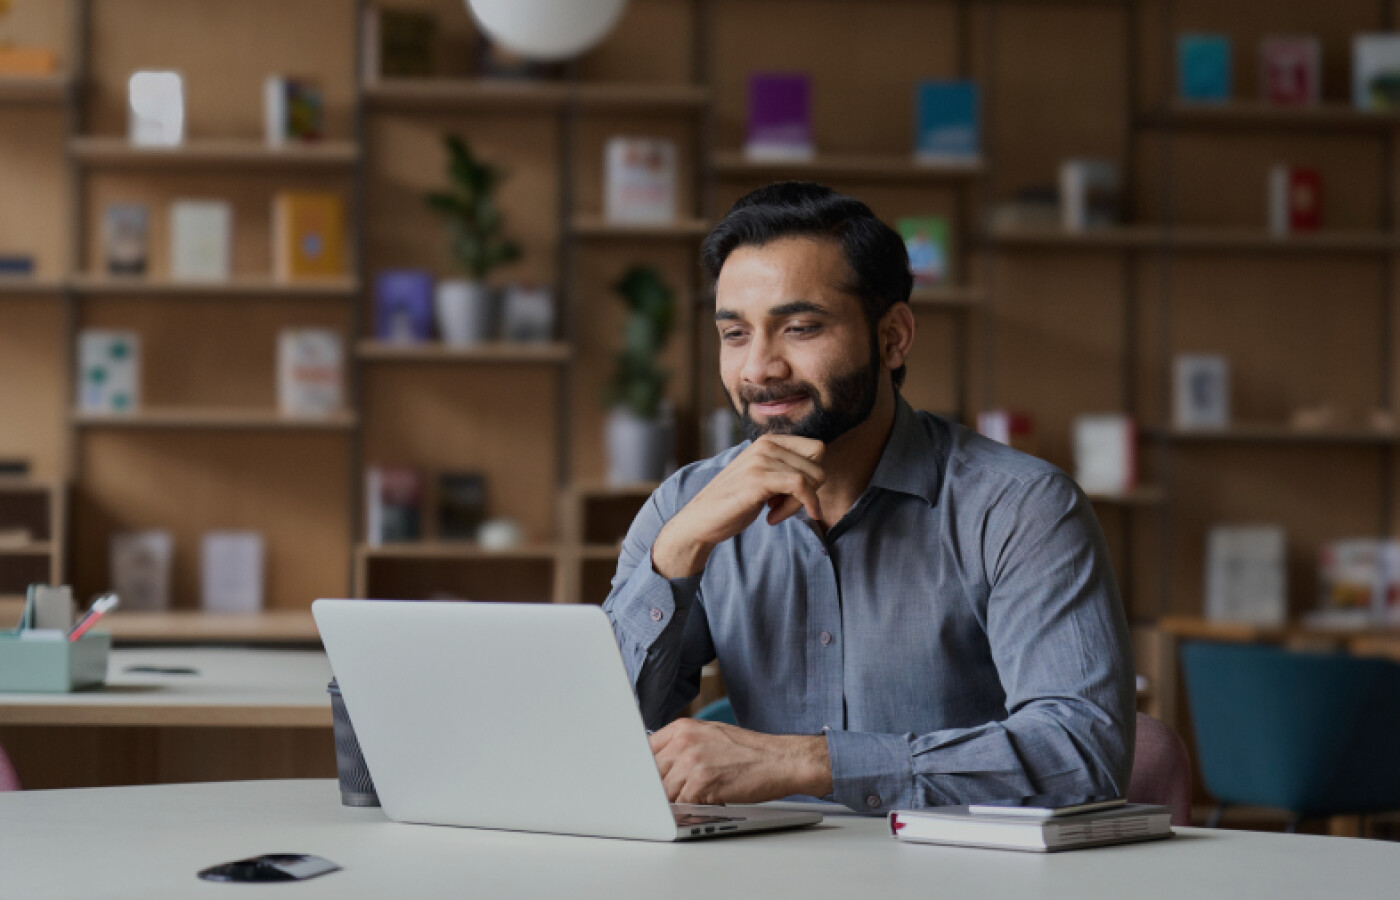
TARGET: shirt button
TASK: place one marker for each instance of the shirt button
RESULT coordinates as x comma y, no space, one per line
872,801
656,615
826,728
825,552
826,638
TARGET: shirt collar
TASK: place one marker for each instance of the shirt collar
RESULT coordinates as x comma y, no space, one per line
911,462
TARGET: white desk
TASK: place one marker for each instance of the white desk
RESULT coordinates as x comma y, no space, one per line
148,842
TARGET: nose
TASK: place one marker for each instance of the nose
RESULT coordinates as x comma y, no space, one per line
764,362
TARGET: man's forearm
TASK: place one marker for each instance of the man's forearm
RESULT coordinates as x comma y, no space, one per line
811,765
675,554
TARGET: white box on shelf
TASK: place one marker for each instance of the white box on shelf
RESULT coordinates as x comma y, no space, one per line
310,372
109,371
141,563
232,566
156,109
1246,574
1105,453
639,177
201,240
1089,194
1201,391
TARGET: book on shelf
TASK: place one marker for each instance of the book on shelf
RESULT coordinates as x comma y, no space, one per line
1201,391
232,571
1375,71
12,264
639,180
141,562
1290,69
780,117
962,827
126,238
294,110
1246,574
403,306
1014,429
393,505
461,505
308,235
947,121
201,240
1105,453
398,43
30,61
109,371
1091,193
1359,579
527,313
1295,200
1203,68
928,240
156,109
310,372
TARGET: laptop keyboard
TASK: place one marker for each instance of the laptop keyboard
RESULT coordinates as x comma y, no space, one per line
684,819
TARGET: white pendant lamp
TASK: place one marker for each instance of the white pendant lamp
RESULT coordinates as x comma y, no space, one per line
546,30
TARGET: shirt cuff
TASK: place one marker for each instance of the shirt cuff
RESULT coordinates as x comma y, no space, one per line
650,601
870,773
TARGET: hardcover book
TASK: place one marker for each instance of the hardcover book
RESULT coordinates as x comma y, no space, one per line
1105,453
15,60
310,372
1203,68
308,235
393,505
527,313
1246,574
403,306
959,826
1201,391
293,110
201,240
140,569
125,233
947,121
1375,71
232,567
109,371
1295,200
461,505
780,117
1360,576
928,240
639,180
1290,69
16,264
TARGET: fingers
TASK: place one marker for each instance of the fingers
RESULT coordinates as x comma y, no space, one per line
809,448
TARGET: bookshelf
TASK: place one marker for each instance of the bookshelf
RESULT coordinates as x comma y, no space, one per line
250,153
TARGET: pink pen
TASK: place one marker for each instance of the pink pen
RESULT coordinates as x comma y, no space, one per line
99,607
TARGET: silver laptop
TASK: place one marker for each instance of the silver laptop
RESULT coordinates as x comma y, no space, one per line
508,715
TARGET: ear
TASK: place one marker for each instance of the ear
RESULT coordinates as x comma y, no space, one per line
896,335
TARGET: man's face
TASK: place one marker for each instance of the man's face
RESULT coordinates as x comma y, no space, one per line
796,354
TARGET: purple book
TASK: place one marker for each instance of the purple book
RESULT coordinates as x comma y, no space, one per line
780,116
403,306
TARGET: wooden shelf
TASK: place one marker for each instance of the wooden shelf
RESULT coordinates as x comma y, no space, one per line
198,627
115,152
212,419
600,552
504,95
495,352
1195,239
34,548
622,96
1278,434
241,286
1116,238
1146,495
949,297
866,167
1259,115
20,285
45,90
604,489
596,227
23,484
463,550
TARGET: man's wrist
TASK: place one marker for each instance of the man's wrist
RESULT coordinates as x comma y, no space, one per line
810,764
675,555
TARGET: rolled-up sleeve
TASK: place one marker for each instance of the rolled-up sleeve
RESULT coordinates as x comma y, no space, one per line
659,625
1059,639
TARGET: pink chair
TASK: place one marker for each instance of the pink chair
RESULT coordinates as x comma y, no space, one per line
1161,769
9,778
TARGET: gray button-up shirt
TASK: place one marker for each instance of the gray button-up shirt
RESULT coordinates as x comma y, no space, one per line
957,636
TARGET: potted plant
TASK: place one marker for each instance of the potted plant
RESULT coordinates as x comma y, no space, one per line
638,432
475,226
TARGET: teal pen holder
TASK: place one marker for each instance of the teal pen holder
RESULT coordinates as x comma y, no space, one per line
57,666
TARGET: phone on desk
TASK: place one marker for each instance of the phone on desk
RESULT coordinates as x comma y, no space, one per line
1045,806
270,867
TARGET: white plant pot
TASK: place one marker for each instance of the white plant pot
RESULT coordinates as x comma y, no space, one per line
465,312
638,449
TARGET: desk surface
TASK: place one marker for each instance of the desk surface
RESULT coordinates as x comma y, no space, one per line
149,841
232,688
198,627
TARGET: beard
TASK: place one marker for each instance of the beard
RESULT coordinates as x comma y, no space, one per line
852,399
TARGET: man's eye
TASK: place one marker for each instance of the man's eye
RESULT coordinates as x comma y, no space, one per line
731,335
801,330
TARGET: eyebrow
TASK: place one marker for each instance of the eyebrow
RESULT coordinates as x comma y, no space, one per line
791,308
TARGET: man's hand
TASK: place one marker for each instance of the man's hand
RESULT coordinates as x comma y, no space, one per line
710,762
779,471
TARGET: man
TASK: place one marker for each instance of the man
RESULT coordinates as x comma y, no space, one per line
906,614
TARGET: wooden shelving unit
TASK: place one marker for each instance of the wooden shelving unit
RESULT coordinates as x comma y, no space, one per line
16,285
34,90
243,286
110,152
1257,115
951,297
865,167
597,228
1280,434
505,352
438,95
208,418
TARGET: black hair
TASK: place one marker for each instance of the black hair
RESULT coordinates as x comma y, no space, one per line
874,252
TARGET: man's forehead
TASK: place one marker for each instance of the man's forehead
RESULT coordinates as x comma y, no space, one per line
757,279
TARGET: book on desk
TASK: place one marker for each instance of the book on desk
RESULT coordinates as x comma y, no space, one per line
959,826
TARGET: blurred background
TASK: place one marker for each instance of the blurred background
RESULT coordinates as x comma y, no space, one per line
339,298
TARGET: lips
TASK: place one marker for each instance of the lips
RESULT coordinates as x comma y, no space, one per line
777,407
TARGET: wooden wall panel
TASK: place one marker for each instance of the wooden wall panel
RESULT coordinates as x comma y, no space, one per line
42,23
34,194
291,486
490,581
653,42
34,383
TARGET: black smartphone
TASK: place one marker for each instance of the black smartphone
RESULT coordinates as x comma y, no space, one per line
270,867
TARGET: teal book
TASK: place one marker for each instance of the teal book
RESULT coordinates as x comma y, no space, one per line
1203,67
946,120
930,252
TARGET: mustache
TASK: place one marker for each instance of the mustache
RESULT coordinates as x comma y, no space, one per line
775,393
